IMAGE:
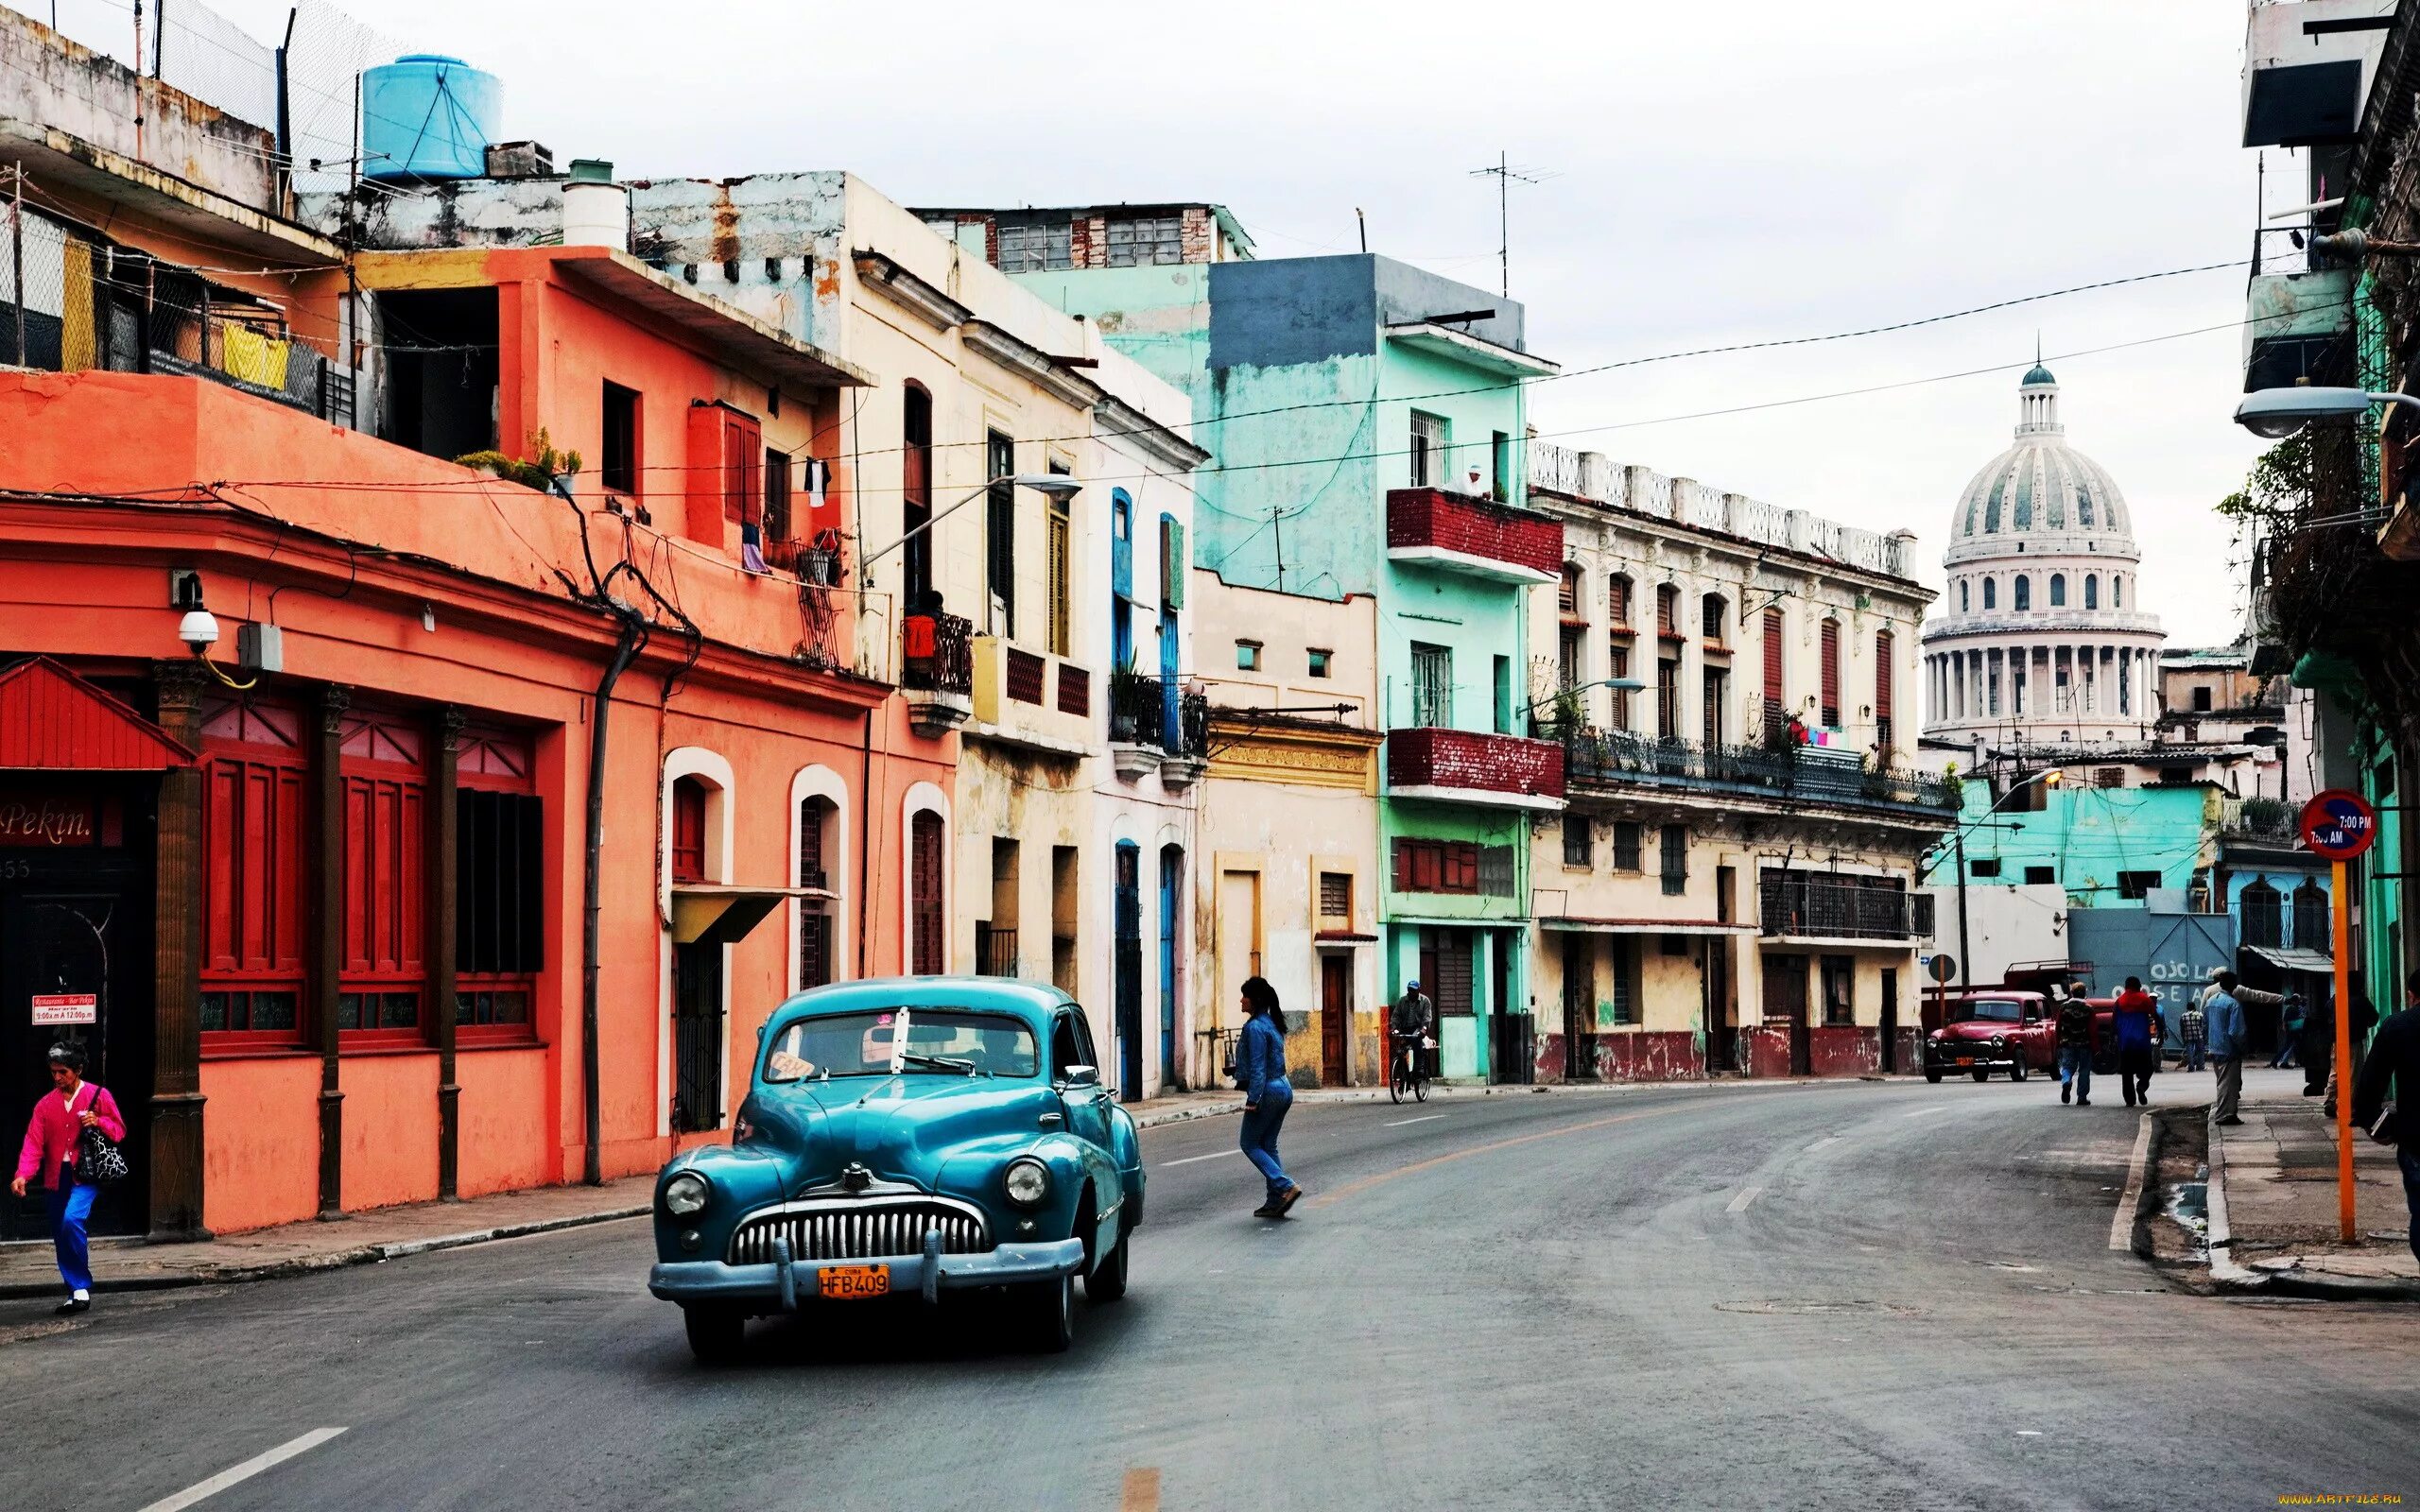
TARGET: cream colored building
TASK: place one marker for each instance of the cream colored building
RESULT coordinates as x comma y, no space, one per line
1289,822
1725,892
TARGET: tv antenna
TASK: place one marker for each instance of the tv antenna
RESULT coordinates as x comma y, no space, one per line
1506,176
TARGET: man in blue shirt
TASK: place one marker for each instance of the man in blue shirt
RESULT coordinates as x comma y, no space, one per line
2227,1032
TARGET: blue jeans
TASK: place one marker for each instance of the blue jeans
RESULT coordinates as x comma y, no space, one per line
70,1206
2075,1069
1260,1135
2409,1158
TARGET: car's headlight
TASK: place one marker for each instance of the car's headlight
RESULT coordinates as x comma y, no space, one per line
1026,1181
1999,1043
684,1195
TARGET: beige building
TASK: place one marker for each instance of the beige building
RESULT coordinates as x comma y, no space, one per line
1731,888
1289,822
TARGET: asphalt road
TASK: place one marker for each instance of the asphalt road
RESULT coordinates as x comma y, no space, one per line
1857,1295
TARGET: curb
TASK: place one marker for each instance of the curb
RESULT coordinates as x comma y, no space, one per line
332,1260
2243,1280
2224,1273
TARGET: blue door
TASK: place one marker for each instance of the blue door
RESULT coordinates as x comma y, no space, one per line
1172,735
1129,963
1171,878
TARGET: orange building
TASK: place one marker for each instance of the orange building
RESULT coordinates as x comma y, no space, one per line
321,897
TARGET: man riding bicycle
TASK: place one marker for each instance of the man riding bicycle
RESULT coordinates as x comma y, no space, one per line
1414,1021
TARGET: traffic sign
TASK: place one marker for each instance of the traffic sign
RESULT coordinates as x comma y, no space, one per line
1944,966
2337,825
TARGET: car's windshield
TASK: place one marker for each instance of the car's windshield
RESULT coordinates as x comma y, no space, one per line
942,1041
1994,1010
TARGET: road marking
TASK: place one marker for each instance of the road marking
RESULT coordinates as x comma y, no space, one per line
1192,1159
1141,1492
1365,1183
1422,1119
2121,1223
1937,1108
235,1474
2029,1433
1747,1196
1830,1139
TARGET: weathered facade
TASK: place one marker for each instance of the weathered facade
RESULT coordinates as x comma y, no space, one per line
1719,896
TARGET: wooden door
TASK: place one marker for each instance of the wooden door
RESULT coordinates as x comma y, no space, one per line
1786,1006
1890,1019
1580,1007
1336,1010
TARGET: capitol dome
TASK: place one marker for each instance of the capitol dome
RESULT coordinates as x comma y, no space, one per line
2039,637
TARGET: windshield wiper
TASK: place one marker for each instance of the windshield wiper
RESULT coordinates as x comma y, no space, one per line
965,1068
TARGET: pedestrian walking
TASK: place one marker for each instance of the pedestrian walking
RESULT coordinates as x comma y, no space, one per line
2292,1018
2135,1023
2193,1032
2365,1018
1260,1070
53,1139
2395,1057
2077,1031
2227,1049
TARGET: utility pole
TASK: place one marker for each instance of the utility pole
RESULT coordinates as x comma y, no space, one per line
17,252
1505,175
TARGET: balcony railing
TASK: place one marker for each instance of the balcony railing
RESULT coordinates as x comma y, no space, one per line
1478,766
995,951
1141,712
940,654
1821,908
1603,759
1460,533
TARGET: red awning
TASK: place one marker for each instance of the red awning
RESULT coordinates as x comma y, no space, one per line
53,720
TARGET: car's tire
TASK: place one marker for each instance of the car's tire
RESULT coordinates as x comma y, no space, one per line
718,1335
1982,1073
1049,1308
1932,1074
1107,1281
2017,1071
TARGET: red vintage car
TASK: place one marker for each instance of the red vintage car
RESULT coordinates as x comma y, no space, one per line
1992,1029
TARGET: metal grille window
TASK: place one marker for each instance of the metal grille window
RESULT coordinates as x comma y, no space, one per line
2312,925
1432,685
1628,1010
1626,847
1676,860
1033,249
1839,990
1429,439
1577,847
1146,241
2263,910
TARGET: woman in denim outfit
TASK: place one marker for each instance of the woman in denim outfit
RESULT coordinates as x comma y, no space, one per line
1260,1071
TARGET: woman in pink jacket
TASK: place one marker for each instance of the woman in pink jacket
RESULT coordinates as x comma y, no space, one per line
51,1137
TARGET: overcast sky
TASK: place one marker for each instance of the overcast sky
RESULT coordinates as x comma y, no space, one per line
1720,173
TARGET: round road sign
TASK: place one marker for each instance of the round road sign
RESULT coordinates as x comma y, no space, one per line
1944,966
2337,825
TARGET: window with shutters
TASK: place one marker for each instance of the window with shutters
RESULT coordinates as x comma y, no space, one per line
743,465
1618,601
1000,531
1713,614
1667,698
915,497
1436,866
1831,666
927,922
1617,669
818,852
1885,648
1626,846
1667,612
777,495
499,896
1567,593
1776,706
1336,900
382,982
1577,847
253,790
1057,548
688,830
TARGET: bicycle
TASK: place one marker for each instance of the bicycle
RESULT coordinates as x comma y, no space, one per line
1409,1072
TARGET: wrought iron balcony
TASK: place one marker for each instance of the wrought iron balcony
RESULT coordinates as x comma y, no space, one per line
1480,537
937,670
1813,905
1607,760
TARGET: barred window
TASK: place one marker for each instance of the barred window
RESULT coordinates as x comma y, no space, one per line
1625,845
1576,838
1676,860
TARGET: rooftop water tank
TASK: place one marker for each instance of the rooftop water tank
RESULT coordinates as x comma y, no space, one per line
428,116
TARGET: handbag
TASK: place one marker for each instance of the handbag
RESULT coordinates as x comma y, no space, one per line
99,1163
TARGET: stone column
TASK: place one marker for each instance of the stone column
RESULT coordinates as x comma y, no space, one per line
326,944
177,902
439,950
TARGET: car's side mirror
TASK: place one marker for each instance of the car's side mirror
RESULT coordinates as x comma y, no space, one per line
1081,1076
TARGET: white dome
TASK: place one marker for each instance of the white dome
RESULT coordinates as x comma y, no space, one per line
2040,487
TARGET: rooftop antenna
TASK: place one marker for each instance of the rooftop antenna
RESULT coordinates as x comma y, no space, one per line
1505,175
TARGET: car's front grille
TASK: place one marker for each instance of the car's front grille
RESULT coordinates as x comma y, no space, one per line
864,1228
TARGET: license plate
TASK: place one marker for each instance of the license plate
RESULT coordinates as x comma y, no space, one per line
1966,1060
849,1282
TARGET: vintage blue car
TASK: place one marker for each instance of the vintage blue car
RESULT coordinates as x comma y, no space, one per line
907,1136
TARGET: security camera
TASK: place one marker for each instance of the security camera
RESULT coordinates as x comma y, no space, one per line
198,629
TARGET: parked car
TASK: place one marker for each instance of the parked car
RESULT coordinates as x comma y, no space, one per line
906,1137
1992,1029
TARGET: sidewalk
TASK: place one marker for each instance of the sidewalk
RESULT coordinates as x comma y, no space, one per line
2274,1208
297,1248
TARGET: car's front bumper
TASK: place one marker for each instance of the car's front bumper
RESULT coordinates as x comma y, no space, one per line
781,1284
1968,1056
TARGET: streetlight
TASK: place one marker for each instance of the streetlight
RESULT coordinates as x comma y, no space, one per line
2277,412
1059,486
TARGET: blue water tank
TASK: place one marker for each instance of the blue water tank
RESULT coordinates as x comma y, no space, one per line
428,116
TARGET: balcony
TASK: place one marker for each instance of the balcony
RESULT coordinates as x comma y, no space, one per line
938,672
1479,537
1604,762
1155,725
1812,905
1037,702
1465,766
